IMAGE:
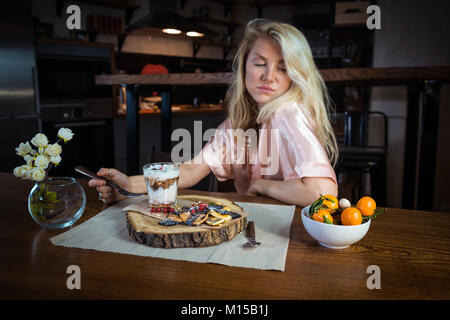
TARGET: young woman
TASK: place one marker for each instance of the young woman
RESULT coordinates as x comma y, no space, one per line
278,92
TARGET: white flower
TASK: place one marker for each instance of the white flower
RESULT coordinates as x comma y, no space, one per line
65,134
23,149
42,161
33,153
22,171
40,140
28,159
53,150
55,160
37,174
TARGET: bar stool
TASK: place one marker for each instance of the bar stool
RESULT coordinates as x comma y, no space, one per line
358,154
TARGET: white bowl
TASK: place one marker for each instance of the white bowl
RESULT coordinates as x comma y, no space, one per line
333,236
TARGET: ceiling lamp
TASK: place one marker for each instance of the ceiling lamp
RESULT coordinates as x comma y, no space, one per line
168,22
195,34
171,31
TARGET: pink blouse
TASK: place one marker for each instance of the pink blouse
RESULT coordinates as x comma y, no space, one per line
287,148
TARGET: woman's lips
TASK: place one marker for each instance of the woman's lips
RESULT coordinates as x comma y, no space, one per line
265,89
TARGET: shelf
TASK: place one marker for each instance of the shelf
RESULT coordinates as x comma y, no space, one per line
347,76
129,8
73,49
180,112
384,76
220,78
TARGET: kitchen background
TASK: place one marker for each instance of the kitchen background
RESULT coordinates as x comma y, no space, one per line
38,52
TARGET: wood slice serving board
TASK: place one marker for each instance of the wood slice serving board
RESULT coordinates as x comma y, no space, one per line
146,230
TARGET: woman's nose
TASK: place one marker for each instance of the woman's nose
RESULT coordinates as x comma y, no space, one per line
269,74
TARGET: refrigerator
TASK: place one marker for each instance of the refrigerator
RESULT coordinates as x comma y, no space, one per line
19,103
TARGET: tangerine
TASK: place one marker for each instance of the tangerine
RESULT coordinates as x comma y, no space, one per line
330,201
351,216
319,215
366,205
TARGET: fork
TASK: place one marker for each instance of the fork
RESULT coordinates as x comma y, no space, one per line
92,175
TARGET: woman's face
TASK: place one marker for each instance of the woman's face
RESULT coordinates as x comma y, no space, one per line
265,73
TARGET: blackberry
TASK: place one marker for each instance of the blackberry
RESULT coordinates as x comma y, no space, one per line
167,222
190,221
235,215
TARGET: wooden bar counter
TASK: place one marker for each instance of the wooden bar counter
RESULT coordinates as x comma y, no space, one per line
411,248
344,76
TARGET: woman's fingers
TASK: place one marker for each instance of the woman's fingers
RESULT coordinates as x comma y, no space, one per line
108,194
96,183
110,173
114,175
104,172
109,200
107,197
104,189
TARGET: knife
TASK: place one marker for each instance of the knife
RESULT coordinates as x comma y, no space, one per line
251,235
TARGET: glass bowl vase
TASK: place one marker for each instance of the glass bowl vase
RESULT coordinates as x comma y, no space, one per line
57,202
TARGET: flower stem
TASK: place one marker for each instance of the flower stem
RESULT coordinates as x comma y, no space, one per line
50,165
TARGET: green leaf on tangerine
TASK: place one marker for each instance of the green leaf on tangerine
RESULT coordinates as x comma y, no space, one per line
326,220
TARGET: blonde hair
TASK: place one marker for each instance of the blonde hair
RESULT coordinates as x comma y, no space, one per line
307,87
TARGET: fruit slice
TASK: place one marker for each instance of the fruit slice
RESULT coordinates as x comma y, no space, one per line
184,217
201,218
225,217
213,221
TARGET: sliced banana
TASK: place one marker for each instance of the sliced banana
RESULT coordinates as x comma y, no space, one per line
225,217
184,217
175,218
201,218
214,221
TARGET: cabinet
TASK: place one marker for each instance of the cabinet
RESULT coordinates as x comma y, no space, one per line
70,98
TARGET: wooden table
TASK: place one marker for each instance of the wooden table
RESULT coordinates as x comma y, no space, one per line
410,247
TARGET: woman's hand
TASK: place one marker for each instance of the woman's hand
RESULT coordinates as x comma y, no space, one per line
106,193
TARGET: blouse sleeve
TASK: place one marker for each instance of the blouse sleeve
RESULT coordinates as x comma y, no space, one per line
301,153
215,152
